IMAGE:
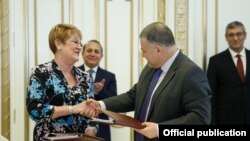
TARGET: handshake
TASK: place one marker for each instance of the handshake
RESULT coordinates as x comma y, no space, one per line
90,108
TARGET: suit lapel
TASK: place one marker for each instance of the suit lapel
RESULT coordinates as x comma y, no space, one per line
230,65
160,89
145,81
247,65
168,77
229,62
98,74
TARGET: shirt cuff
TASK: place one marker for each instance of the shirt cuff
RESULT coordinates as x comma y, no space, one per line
102,105
157,130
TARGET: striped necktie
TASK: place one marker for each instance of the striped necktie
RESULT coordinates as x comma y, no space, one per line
91,83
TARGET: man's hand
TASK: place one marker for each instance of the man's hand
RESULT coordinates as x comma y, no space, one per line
91,108
90,132
99,85
86,108
150,130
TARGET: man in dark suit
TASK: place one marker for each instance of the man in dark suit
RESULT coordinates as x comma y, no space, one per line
231,93
181,95
105,81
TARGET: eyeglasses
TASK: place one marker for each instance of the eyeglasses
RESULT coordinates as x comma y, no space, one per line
238,34
77,42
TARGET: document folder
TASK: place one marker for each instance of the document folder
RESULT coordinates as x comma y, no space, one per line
119,119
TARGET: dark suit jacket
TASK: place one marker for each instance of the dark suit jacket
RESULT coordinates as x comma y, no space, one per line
109,89
183,97
231,97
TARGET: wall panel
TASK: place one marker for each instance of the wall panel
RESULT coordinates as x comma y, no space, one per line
5,70
43,23
118,51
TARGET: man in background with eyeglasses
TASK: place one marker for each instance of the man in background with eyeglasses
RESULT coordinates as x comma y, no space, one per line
229,77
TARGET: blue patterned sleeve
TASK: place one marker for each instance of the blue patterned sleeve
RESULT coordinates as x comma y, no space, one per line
36,97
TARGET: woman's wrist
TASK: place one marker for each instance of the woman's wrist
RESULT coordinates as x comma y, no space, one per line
70,110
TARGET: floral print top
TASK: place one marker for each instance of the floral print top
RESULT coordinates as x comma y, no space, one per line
48,88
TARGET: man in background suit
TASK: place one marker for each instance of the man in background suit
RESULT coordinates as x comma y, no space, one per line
105,81
231,95
181,95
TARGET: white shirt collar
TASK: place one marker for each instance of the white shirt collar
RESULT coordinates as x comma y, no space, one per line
88,68
165,67
233,53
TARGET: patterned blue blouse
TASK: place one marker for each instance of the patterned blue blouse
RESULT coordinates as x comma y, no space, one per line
48,88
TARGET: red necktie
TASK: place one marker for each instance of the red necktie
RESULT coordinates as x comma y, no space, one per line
240,67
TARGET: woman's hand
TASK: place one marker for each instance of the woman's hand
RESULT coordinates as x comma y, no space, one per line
86,108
